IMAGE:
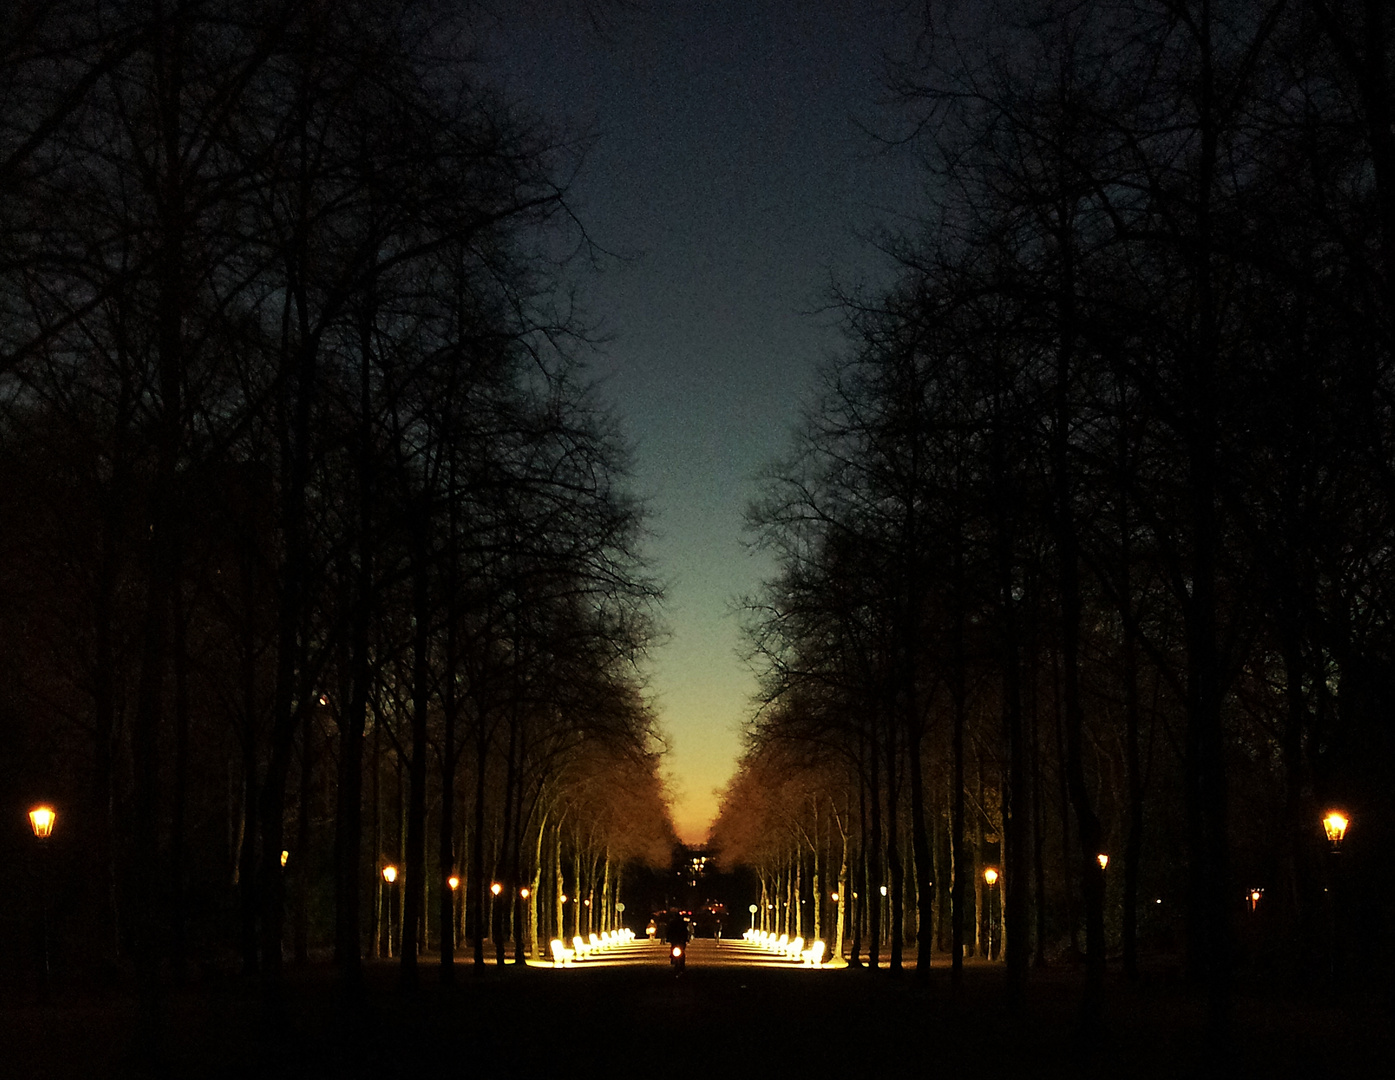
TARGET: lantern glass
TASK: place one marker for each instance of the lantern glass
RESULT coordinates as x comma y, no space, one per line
991,876
389,874
41,819
1335,825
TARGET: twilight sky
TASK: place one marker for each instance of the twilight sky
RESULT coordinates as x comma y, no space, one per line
729,168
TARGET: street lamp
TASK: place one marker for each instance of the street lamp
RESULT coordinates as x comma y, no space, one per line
285,857
389,876
1253,897
41,820
1102,859
454,882
752,909
496,888
833,897
525,892
883,890
1335,825
990,875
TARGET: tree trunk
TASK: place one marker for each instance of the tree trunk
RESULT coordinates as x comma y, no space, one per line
874,853
958,856
300,868
479,886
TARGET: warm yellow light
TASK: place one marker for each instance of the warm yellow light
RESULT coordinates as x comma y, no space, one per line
324,700
564,898
834,897
587,903
496,888
41,819
453,882
389,874
1335,824
525,892
1102,859
991,876
883,889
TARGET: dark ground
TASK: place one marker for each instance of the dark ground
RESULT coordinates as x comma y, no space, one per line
713,1021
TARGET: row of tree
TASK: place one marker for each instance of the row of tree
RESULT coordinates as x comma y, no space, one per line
1084,547
310,526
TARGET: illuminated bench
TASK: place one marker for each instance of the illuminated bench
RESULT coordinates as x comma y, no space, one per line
813,956
581,948
561,955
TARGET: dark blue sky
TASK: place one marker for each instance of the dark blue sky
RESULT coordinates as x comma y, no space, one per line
730,170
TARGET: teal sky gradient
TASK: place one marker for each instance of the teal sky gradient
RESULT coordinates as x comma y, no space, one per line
731,172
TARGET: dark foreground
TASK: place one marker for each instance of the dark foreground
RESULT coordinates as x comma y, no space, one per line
714,1021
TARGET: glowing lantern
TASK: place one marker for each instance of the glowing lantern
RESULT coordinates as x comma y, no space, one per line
454,882
991,876
389,874
1102,859
1335,825
285,856
41,819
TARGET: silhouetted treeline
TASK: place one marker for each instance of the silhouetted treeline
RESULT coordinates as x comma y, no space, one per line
1084,544
317,554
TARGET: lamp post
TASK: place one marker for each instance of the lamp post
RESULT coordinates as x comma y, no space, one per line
454,883
753,909
41,820
1334,825
990,877
389,876
521,925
